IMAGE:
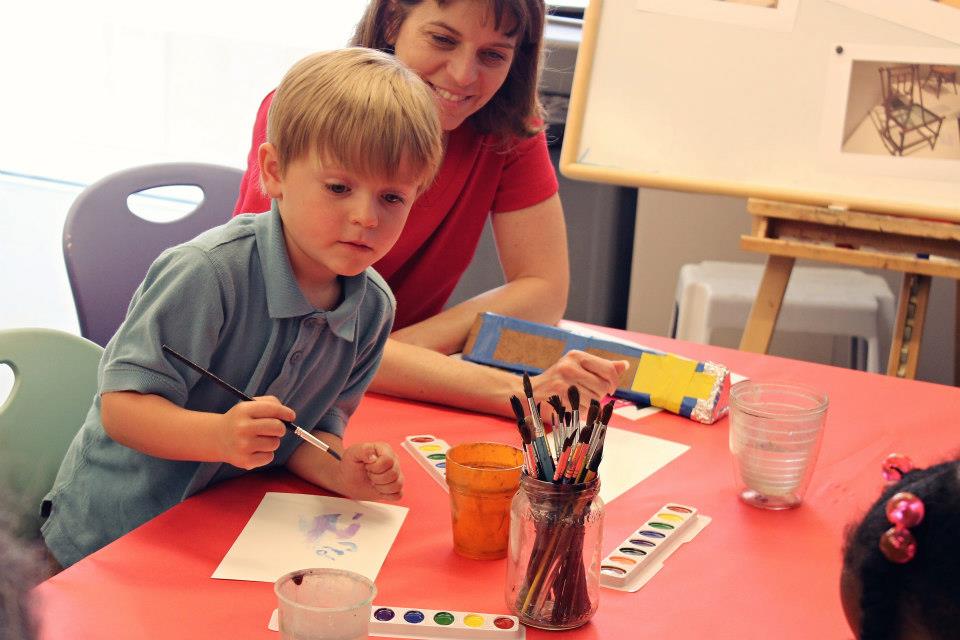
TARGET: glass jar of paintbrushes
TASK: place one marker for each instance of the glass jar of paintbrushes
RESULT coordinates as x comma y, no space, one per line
556,519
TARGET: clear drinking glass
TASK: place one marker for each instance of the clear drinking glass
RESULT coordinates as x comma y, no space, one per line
324,604
775,435
553,567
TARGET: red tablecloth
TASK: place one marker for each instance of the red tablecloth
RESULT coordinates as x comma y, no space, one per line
749,574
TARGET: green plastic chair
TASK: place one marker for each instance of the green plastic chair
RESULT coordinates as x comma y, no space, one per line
54,384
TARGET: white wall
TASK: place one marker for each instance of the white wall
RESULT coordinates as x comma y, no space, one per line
93,87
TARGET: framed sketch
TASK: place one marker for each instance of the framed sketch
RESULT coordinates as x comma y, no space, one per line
893,111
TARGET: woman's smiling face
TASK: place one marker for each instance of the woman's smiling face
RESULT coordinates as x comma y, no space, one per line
458,52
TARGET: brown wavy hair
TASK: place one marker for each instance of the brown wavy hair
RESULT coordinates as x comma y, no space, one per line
515,109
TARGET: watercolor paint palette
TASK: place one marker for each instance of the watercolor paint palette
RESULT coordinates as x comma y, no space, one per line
431,453
638,558
404,622
427,624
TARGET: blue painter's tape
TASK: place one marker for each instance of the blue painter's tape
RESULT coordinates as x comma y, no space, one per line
487,333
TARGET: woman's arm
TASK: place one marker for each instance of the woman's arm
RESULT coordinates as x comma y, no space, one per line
409,371
532,244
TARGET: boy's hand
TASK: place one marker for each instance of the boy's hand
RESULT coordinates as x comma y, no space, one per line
252,430
371,471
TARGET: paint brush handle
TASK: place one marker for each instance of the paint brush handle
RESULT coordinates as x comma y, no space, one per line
544,460
240,395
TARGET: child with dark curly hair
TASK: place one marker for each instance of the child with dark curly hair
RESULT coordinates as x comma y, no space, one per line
901,564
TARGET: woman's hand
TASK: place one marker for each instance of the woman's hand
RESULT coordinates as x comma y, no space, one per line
371,471
250,432
594,377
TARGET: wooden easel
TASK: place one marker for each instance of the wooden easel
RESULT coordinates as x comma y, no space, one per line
789,231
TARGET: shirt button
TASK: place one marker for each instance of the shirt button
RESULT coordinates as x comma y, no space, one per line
295,357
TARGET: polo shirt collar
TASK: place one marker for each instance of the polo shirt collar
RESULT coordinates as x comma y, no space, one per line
284,297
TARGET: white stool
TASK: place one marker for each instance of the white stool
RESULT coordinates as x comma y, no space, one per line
844,302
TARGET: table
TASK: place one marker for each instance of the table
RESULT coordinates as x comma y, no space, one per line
942,73
749,574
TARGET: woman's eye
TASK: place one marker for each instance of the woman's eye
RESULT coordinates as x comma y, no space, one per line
443,40
393,198
338,188
493,57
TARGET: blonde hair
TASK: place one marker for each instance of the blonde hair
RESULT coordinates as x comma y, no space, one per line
361,108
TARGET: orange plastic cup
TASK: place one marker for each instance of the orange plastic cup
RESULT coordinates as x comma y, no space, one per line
483,478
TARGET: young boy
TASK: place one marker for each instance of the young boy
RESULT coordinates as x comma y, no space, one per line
281,305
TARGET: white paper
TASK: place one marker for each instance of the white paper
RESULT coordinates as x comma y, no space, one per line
629,458
291,531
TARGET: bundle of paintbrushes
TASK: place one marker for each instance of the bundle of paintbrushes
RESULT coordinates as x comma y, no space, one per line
570,453
553,580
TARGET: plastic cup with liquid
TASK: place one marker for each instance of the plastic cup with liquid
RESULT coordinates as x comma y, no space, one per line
324,604
775,435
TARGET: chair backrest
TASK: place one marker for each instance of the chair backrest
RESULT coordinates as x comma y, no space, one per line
897,84
55,382
107,248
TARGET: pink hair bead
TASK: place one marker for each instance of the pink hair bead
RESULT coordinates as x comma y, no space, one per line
895,466
904,510
898,545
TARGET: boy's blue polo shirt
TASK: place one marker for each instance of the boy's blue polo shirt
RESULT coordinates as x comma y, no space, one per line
229,301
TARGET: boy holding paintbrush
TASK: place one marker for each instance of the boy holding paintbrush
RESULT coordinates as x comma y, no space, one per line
282,305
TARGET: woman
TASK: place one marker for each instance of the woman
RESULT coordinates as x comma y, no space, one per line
481,58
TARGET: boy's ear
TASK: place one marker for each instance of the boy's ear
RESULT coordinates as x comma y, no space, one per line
270,175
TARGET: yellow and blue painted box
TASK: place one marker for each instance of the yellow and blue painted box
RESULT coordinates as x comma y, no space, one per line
696,390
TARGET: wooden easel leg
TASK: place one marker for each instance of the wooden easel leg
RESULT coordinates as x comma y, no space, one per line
908,331
766,307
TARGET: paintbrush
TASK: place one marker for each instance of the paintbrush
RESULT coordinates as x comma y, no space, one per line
564,458
557,404
539,441
596,442
553,447
240,395
578,458
573,394
594,465
523,427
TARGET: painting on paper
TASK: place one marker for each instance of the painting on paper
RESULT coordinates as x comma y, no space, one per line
290,531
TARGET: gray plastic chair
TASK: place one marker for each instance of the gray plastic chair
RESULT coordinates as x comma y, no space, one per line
54,384
107,248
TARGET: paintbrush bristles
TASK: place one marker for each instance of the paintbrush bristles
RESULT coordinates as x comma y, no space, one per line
592,412
585,433
606,413
526,431
527,386
557,404
573,394
517,406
